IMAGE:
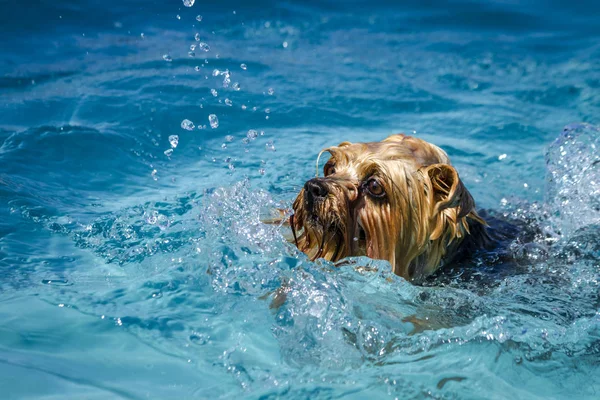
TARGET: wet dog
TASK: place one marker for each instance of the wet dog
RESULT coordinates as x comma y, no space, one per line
398,200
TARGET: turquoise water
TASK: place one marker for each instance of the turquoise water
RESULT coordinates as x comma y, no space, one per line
134,264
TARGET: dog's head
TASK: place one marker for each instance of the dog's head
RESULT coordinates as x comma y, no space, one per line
398,200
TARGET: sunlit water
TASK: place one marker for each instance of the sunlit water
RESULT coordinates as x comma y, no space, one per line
141,146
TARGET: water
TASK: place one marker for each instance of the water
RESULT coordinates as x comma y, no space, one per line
133,257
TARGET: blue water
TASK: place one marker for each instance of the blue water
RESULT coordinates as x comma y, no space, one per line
128,272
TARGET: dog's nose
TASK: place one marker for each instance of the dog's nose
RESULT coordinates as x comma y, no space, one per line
315,188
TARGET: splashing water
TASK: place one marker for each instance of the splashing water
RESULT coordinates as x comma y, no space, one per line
573,179
187,125
214,121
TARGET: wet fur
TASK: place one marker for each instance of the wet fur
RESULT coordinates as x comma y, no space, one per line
426,218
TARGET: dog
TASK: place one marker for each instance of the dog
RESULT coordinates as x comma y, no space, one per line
399,200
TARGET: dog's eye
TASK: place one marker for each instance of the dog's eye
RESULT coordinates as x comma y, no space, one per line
374,188
329,169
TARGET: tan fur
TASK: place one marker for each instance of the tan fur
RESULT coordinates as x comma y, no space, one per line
418,224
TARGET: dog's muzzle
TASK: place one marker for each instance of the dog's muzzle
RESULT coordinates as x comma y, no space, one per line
315,190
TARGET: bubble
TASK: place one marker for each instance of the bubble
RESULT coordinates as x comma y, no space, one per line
267,110
203,46
199,18
228,102
197,37
285,45
270,146
271,91
213,120
152,217
167,58
168,152
191,54
224,146
192,47
261,171
252,134
187,125
153,174
229,138
214,92
174,140
236,86
196,68
188,3
243,66
244,107
142,35
178,16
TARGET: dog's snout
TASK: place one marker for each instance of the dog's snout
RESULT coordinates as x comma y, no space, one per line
315,188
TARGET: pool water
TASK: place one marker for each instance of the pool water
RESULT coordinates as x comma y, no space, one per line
133,260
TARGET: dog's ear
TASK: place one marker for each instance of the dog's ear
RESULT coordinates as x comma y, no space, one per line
448,190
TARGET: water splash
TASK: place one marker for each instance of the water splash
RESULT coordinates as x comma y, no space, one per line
214,121
174,140
187,125
573,179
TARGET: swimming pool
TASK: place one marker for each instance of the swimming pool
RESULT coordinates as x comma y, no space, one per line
134,262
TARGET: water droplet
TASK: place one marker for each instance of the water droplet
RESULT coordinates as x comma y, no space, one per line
271,91
187,124
228,102
229,138
197,37
270,146
252,134
203,46
188,3
213,120
243,66
199,18
167,58
214,92
236,86
285,45
174,140
168,152
191,54
152,217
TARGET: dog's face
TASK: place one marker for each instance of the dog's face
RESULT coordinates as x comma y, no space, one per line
398,200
